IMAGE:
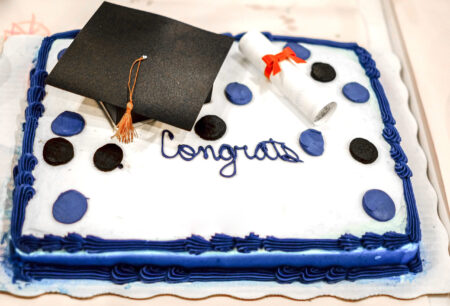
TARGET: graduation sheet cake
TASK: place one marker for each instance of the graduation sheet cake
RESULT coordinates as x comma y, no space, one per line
259,157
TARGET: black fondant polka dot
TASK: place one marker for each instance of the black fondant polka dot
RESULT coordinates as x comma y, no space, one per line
210,127
323,72
363,151
108,157
58,151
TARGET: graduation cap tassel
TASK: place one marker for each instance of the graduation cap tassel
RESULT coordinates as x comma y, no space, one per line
125,130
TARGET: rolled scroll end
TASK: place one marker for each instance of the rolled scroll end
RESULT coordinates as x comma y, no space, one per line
324,113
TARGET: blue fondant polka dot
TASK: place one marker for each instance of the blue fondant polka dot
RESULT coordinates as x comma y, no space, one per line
379,205
299,50
312,142
61,53
70,207
238,93
356,92
68,124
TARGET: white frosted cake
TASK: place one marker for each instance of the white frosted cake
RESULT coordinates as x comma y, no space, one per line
265,201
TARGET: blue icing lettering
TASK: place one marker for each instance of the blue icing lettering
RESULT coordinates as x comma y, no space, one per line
186,152
205,152
289,154
231,156
230,153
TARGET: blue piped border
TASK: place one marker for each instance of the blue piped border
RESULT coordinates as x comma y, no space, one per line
122,274
24,179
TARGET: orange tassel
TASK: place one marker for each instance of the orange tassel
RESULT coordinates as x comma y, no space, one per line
125,129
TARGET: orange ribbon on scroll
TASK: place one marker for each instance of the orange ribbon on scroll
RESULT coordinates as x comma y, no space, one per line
272,61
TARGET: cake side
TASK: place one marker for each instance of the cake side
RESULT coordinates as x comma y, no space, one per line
197,245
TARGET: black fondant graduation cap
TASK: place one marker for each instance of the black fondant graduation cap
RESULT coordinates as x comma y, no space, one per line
174,81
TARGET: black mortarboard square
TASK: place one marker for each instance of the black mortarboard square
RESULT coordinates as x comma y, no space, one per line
115,113
173,83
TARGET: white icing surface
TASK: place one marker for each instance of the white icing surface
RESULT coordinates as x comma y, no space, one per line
160,199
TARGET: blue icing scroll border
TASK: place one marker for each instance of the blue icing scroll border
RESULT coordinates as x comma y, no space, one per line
24,180
123,273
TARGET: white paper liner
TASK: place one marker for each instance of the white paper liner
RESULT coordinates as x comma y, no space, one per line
434,279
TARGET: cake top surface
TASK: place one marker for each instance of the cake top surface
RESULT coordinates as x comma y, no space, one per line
172,198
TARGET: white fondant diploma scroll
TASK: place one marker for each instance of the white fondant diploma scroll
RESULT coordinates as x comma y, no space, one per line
293,80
